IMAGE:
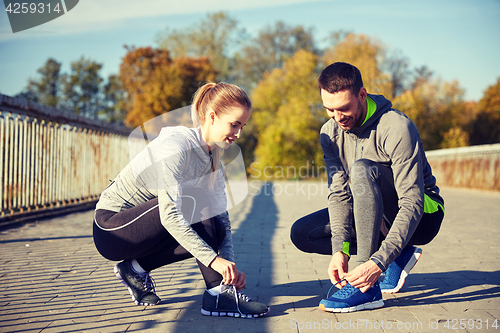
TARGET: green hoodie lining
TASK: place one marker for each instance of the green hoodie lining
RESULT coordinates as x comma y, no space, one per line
371,107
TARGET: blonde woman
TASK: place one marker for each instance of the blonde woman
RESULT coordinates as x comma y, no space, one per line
168,204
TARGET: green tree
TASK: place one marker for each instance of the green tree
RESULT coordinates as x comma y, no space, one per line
486,126
82,88
287,117
155,83
46,88
113,105
215,37
82,91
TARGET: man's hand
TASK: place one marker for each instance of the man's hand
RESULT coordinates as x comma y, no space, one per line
338,268
229,272
364,276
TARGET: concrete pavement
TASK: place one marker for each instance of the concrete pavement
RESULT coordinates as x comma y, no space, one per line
53,280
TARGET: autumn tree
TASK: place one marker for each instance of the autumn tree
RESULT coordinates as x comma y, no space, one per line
287,116
368,55
486,126
270,49
438,110
215,37
155,83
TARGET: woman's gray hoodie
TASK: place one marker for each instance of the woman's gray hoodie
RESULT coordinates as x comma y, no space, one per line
174,161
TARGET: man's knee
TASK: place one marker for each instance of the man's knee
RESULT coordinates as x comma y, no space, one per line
364,169
298,233
363,176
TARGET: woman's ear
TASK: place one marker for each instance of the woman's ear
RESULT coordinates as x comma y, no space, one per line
211,116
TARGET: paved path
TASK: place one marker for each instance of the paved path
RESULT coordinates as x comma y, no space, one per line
53,280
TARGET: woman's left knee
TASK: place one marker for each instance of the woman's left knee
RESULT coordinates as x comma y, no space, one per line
220,230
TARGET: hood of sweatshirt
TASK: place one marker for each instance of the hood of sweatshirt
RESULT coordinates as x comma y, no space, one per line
383,105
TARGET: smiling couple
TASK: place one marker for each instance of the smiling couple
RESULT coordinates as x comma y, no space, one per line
169,204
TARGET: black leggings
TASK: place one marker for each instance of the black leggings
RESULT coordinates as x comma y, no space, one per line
312,233
138,234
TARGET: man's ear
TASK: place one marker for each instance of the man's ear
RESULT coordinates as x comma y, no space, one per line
363,94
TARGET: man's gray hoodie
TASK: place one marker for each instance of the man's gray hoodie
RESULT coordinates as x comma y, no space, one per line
388,137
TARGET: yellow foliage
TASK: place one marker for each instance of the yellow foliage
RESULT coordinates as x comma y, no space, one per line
437,108
286,108
367,54
455,137
486,126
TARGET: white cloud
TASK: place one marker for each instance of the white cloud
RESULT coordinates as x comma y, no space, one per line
91,15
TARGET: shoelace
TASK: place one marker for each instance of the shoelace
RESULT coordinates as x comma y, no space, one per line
147,281
336,283
232,290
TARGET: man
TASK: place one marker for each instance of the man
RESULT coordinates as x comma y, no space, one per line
382,194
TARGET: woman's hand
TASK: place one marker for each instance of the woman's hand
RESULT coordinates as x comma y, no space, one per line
242,281
338,268
229,272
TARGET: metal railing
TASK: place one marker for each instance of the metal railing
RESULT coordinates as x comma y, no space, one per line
471,167
52,160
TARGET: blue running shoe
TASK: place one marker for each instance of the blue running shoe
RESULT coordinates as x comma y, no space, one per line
350,299
399,269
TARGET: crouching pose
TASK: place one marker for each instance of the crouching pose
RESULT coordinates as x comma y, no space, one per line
382,194
168,204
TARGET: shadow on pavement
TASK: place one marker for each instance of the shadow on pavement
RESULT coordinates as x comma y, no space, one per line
252,247
430,288
448,287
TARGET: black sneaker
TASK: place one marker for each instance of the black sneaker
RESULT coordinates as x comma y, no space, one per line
229,302
140,286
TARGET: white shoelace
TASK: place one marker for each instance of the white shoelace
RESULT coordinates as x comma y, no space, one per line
237,295
147,280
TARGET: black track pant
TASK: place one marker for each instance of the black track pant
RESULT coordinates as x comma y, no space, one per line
137,233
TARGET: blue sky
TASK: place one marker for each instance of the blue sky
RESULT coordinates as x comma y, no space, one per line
457,39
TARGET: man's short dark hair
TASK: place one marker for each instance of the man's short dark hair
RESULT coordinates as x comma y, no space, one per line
340,76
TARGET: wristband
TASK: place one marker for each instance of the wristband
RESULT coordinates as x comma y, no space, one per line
378,264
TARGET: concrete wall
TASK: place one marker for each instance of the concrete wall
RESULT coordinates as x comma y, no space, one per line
471,167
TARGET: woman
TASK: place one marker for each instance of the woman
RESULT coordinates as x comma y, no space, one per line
168,204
